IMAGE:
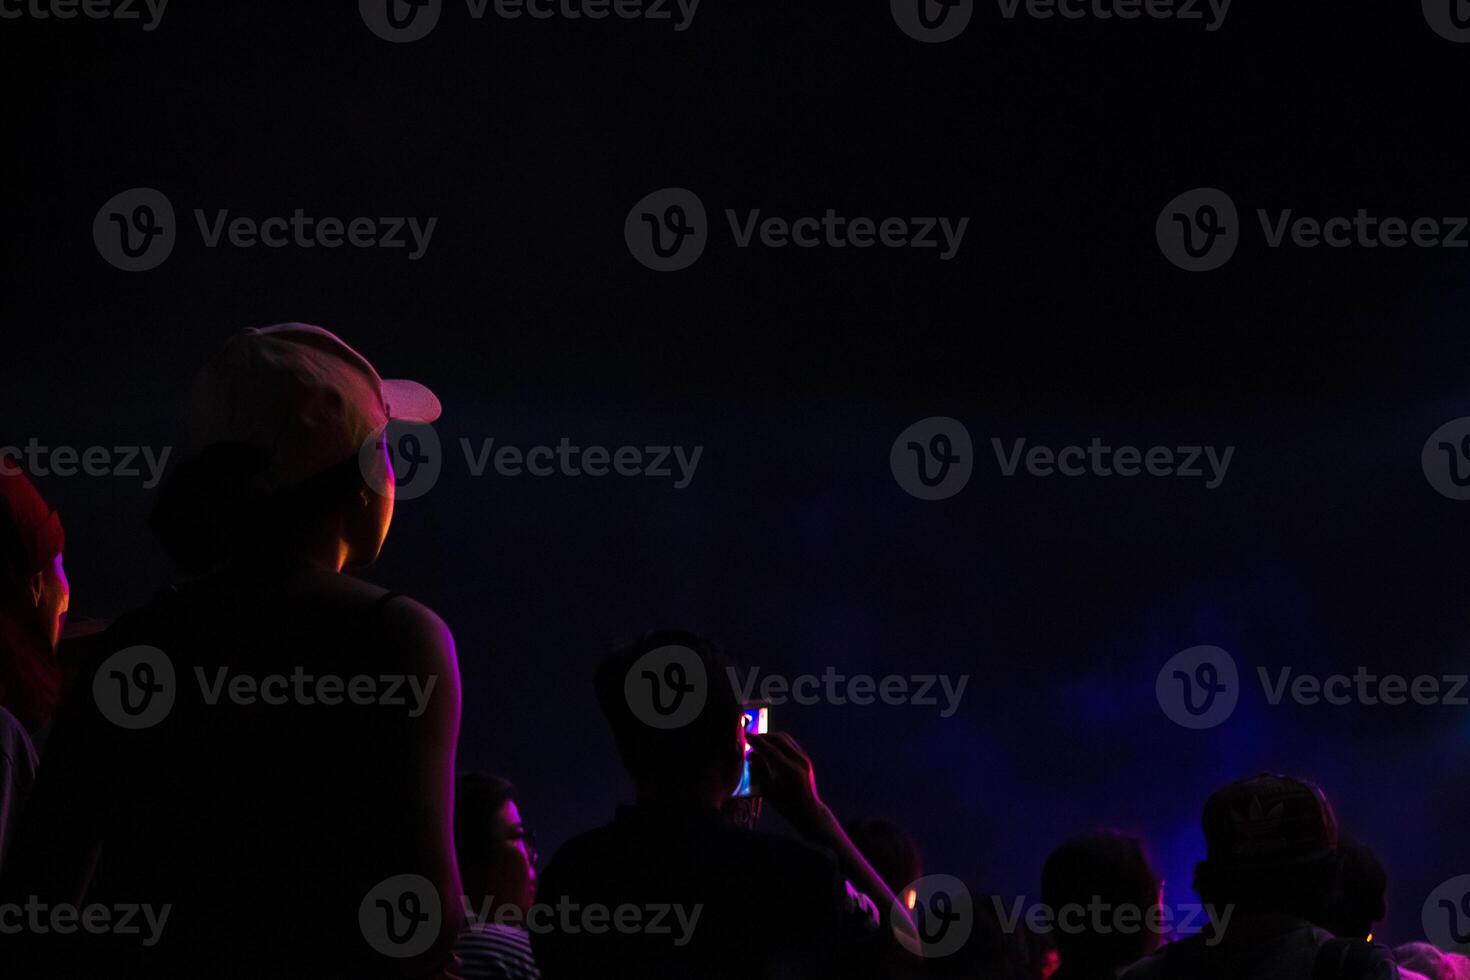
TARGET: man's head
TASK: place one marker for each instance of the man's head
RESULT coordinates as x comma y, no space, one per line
1271,848
671,704
891,852
1107,869
1360,898
286,451
495,848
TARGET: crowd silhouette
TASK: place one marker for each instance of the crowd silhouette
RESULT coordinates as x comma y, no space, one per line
293,810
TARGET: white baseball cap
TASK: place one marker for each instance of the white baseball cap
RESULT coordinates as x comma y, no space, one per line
301,397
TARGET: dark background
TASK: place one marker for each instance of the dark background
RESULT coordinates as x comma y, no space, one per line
1059,320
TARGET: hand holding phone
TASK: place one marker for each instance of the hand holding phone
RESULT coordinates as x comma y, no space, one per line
754,720
785,776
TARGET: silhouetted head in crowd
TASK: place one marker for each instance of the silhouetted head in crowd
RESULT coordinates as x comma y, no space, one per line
34,596
995,949
286,455
1108,870
891,852
1271,849
644,688
1360,898
496,850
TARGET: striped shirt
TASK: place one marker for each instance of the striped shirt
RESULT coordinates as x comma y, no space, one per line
496,952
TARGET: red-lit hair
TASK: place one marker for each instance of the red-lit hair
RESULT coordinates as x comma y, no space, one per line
31,537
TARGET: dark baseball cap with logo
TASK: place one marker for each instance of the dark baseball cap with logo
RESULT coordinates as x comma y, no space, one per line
300,398
1269,822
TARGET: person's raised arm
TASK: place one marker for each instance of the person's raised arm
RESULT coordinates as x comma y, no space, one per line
786,778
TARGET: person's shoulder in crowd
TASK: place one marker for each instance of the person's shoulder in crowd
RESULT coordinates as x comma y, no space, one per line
1195,959
747,852
16,749
18,764
1173,960
1431,962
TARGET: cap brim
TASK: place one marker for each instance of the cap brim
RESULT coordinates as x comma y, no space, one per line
410,401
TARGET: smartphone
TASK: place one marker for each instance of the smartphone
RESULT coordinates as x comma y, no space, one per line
756,721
